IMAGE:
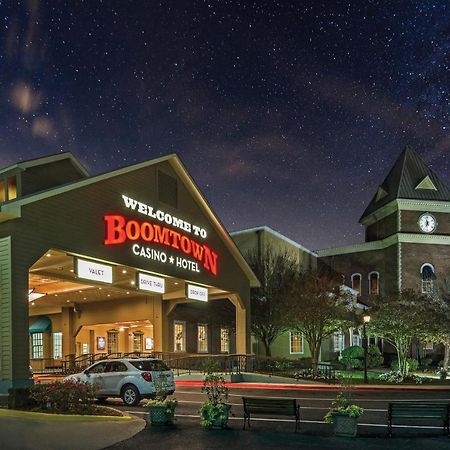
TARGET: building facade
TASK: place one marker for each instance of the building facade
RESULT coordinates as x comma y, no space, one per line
133,260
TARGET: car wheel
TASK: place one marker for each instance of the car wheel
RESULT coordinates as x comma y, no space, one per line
130,395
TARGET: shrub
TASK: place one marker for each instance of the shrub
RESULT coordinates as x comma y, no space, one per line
352,357
374,356
65,397
20,398
425,363
412,365
397,378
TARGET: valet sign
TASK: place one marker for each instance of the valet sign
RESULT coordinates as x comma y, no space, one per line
161,237
90,270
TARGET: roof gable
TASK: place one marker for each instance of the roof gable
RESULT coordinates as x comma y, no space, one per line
409,178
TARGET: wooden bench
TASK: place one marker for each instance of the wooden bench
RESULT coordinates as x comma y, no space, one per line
419,410
277,406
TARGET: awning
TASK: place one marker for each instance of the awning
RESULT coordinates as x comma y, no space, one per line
41,325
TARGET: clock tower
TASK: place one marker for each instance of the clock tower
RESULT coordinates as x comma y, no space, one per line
411,209
407,239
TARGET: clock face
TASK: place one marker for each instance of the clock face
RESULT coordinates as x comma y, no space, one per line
427,223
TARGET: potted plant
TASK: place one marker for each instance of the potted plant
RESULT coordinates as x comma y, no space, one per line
161,410
442,373
214,412
344,416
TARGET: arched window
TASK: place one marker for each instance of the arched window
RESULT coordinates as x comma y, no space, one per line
427,278
374,283
356,282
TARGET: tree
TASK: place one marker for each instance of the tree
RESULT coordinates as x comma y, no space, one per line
399,318
276,271
320,308
438,320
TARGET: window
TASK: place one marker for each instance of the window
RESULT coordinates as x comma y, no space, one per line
179,336
295,342
112,341
116,366
224,340
356,282
338,341
99,368
428,278
137,341
202,338
167,189
374,281
355,337
155,365
12,188
37,345
57,345
84,348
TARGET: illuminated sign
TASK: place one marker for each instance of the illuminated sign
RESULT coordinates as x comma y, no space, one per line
194,292
162,216
120,230
94,271
151,283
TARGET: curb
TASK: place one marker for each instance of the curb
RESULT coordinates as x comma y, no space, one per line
16,414
316,387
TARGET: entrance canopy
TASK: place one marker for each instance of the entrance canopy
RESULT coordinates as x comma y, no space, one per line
41,325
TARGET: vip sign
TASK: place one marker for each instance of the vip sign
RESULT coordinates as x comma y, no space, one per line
194,292
90,270
151,283
193,254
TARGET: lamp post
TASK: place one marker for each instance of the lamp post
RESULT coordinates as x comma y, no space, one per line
366,319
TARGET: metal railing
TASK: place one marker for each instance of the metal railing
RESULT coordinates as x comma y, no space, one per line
193,363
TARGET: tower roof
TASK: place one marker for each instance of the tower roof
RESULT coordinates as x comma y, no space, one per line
409,178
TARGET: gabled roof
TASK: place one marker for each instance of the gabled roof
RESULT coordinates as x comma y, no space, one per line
12,209
409,178
275,233
23,165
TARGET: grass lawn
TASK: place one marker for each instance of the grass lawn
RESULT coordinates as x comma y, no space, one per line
358,377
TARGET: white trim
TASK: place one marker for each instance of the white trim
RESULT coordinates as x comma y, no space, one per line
183,323
406,205
202,324
408,238
399,262
378,282
290,343
275,233
427,264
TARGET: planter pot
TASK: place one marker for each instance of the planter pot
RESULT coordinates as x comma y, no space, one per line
157,415
221,422
344,425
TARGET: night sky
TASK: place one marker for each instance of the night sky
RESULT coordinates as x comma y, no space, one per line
287,114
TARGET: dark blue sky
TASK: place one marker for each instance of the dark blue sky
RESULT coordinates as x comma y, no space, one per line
287,114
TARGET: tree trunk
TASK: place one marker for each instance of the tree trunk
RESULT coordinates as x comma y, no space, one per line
446,356
267,348
314,358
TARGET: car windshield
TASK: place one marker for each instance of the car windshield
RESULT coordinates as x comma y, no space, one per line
150,365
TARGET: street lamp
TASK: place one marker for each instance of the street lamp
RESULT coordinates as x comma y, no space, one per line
366,319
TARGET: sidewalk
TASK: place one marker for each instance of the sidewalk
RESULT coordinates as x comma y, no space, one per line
21,430
189,433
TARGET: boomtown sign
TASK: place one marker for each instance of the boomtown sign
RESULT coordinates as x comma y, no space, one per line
177,239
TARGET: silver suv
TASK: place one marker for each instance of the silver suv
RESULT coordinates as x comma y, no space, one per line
129,378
